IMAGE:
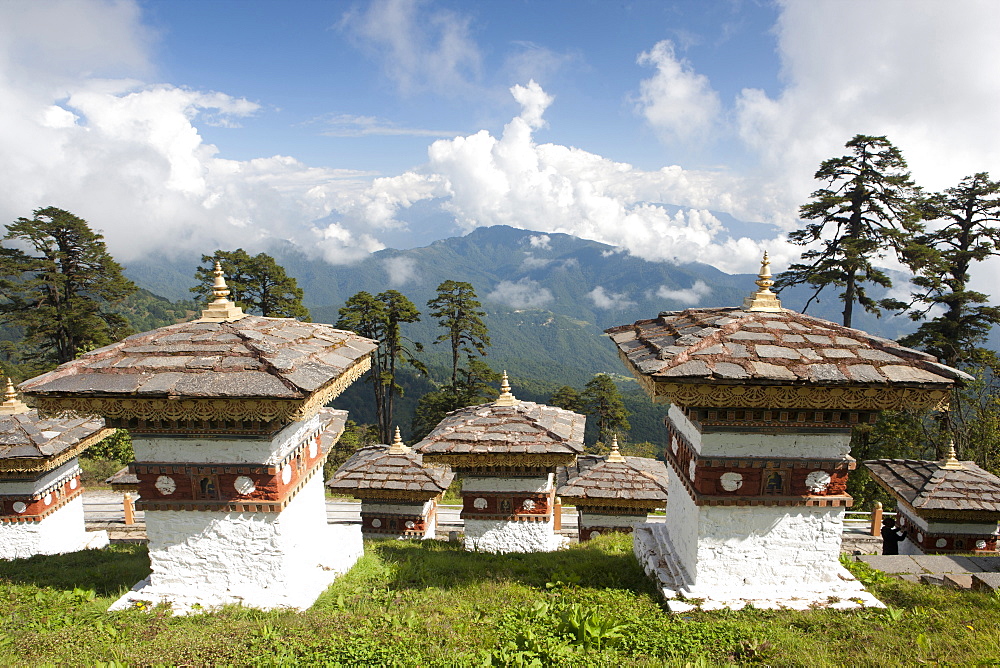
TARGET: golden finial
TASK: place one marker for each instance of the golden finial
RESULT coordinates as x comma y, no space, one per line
763,299
398,447
11,403
221,309
950,461
505,398
615,455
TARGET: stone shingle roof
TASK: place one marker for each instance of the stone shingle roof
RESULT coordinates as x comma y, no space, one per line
374,468
28,436
123,479
731,345
525,428
276,358
927,486
593,477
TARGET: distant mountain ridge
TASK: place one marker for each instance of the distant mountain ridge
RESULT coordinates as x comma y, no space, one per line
548,296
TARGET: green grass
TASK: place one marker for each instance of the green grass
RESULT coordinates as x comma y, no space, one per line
432,604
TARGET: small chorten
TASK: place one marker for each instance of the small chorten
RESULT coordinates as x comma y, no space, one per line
398,447
506,398
615,455
11,404
950,461
763,300
221,309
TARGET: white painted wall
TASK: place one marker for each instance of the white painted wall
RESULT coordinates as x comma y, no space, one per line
527,484
725,444
681,523
62,531
501,536
225,451
906,546
263,560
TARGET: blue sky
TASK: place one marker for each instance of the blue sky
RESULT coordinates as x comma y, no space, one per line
177,127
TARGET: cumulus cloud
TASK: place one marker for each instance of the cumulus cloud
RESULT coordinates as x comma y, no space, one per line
677,102
689,296
401,270
603,299
421,50
524,293
542,241
912,71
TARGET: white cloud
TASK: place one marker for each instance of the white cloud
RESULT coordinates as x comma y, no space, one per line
677,102
401,270
531,262
917,72
420,49
603,299
524,293
542,241
690,296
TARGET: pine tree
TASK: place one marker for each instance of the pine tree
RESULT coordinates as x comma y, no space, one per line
380,318
59,289
604,404
569,398
459,313
257,283
865,212
970,213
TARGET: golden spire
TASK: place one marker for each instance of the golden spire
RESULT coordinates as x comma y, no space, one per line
763,299
11,403
221,309
398,447
505,398
615,455
950,461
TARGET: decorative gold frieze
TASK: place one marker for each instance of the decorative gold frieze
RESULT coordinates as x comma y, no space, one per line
154,409
856,398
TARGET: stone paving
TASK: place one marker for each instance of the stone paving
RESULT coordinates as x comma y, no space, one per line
939,569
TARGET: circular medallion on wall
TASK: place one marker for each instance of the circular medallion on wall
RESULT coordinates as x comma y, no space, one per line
595,534
980,544
47,500
19,507
480,503
731,481
244,485
528,504
73,483
410,525
818,481
376,523
920,537
286,474
941,542
165,485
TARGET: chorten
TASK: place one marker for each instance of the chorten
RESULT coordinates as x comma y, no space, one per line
612,493
942,506
761,404
506,454
41,498
227,420
399,493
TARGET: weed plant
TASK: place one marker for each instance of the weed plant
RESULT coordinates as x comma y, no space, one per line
433,604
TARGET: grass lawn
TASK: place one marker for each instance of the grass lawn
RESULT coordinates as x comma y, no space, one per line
432,604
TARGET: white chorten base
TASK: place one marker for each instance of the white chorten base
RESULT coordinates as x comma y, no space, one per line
62,531
502,536
728,556
260,560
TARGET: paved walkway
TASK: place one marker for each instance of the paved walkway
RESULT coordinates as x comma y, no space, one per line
940,569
